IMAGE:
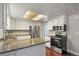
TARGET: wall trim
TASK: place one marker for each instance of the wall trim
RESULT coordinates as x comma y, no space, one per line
75,53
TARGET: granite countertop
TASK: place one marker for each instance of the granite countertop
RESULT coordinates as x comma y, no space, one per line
12,45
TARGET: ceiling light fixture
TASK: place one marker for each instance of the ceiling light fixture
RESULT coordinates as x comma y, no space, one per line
32,15
39,17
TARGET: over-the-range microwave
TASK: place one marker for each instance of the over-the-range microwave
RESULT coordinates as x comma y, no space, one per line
60,28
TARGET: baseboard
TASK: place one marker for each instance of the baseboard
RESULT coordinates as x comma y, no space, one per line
77,54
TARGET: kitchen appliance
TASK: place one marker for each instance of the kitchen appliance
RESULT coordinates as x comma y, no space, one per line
56,42
57,28
35,31
60,28
59,41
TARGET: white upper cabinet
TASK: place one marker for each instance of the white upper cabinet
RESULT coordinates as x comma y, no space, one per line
13,23
1,20
59,21
50,24
1,15
55,22
17,24
8,23
22,24
8,19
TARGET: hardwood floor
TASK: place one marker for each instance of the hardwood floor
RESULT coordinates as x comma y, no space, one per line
51,52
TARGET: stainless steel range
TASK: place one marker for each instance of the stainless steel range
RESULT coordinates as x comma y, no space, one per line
59,41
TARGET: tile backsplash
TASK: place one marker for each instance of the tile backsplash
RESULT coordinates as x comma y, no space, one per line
17,33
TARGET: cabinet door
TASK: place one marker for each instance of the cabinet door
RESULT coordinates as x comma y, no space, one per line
50,24
27,27
1,33
38,50
1,20
1,15
5,15
9,54
22,25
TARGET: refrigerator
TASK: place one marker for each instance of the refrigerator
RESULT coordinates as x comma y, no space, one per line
35,31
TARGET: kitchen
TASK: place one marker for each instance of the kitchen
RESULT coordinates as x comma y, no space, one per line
41,29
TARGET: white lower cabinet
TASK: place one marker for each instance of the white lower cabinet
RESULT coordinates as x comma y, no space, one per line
9,54
38,50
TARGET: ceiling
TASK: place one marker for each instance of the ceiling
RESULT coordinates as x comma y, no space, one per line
17,10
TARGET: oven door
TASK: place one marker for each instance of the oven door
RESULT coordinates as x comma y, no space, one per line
56,42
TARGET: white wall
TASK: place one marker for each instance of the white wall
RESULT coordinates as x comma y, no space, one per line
73,34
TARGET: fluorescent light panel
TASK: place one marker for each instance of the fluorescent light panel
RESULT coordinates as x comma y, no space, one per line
32,15
39,17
